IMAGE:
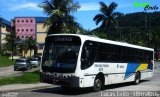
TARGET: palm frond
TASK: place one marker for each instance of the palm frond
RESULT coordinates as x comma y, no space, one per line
47,7
112,7
103,7
98,18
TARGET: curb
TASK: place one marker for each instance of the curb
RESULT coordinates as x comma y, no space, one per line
23,88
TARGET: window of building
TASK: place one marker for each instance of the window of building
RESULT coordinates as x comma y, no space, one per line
31,21
18,21
31,30
22,29
17,30
26,29
22,36
27,21
22,21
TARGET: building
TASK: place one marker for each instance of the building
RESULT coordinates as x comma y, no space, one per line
25,27
5,28
31,27
40,33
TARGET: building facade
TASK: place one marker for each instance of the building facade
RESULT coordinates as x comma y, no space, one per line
40,33
5,28
31,27
25,27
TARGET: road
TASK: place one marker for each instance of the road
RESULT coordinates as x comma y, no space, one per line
125,89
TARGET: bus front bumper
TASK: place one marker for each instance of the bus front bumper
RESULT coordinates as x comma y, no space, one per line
72,81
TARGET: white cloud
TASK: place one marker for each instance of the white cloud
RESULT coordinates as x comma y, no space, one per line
18,5
96,6
31,6
89,7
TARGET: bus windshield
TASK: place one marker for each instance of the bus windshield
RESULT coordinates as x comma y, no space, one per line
60,54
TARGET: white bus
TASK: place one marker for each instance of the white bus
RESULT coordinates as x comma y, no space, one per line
72,60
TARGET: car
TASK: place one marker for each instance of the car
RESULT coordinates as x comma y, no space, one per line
35,62
22,64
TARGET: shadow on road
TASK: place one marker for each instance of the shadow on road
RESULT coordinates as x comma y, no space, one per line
61,91
80,91
114,86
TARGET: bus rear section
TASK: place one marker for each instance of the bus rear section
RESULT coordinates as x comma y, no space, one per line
59,60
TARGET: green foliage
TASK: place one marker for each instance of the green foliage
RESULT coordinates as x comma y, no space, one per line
99,33
5,61
10,43
26,78
60,20
107,18
31,44
26,44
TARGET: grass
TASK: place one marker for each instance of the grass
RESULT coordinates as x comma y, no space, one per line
26,78
5,61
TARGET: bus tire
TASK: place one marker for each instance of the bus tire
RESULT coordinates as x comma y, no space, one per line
137,79
98,84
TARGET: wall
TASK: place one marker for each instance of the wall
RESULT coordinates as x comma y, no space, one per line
41,28
41,35
3,34
25,27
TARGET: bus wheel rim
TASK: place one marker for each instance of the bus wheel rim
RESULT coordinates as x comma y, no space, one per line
98,84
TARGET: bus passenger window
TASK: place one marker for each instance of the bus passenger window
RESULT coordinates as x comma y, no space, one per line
88,55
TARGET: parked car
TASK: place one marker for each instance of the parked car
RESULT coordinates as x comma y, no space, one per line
22,64
35,62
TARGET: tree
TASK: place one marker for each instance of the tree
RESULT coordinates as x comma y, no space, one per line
60,20
155,40
23,47
107,17
9,46
31,43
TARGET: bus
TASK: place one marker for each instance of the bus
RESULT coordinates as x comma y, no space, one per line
72,60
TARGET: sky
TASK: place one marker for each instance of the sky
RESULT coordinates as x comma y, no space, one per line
9,9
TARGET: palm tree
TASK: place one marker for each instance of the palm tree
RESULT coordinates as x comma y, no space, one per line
30,44
60,18
107,17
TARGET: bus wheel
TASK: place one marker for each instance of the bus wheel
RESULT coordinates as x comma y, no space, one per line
97,84
137,78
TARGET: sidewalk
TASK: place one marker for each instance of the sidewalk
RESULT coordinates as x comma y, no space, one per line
16,87
8,72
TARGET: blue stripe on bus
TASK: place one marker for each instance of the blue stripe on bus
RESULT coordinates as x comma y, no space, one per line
131,68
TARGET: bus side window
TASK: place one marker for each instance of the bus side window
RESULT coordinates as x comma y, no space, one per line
88,55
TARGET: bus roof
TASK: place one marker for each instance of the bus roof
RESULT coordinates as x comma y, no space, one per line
94,38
